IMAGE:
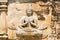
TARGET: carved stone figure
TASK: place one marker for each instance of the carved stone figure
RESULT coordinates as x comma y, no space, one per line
29,23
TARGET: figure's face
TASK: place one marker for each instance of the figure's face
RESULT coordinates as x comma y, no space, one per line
29,12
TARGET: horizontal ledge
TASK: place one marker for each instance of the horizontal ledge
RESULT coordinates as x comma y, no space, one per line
3,36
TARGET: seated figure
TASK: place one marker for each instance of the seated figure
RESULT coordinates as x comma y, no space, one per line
28,24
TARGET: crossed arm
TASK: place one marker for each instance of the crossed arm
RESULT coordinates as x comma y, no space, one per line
34,22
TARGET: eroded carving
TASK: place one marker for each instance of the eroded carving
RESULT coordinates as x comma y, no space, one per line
29,23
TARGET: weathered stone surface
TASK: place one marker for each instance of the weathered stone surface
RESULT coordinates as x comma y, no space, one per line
45,12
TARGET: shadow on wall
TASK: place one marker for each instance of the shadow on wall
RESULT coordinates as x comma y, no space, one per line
27,1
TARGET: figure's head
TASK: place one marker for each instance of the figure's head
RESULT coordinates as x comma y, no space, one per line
29,11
